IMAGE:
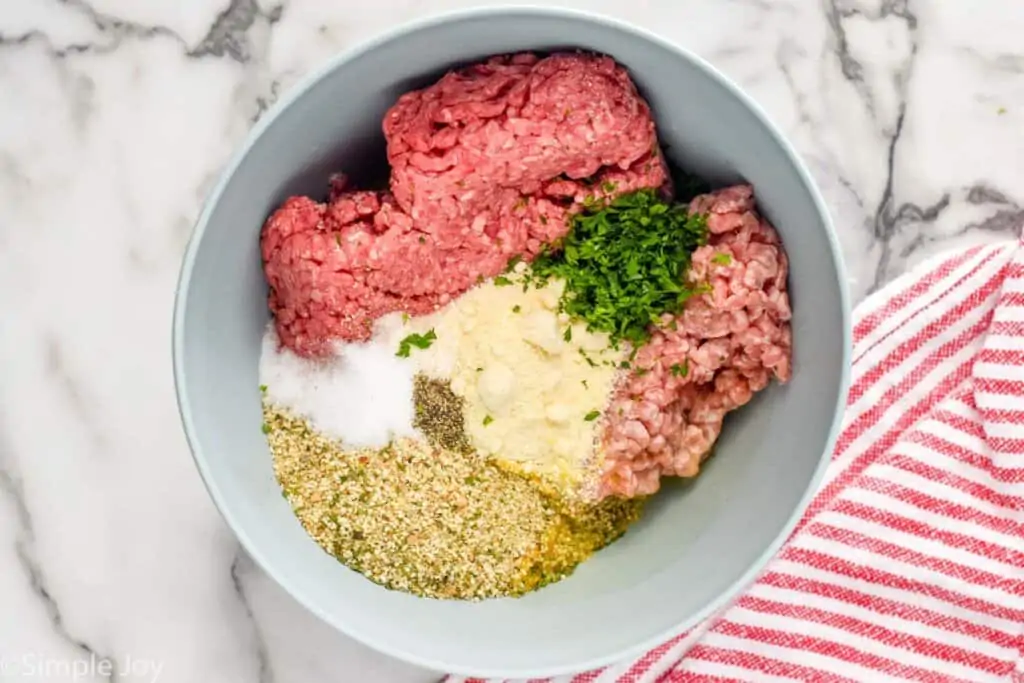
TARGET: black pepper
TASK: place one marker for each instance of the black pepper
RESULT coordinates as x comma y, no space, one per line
439,414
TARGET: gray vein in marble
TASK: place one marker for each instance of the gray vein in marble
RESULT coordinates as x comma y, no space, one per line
240,565
914,213
1008,218
37,35
81,91
886,222
1006,221
1010,63
14,187
893,222
983,194
228,36
851,68
786,54
887,219
80,88
119,29
57,368
229,33
263,103
838,11
10,487
1007,63
11,170
908,214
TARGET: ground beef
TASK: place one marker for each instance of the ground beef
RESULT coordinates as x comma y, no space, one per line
514,123
724,346
487,163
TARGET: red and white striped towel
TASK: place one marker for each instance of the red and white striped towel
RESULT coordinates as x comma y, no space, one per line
909,564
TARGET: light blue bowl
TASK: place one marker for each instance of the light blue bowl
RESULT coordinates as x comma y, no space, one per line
698,544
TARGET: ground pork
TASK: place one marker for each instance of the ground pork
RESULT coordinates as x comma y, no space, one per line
724,346
488,163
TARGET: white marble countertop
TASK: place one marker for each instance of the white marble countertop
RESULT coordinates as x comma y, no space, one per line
115,118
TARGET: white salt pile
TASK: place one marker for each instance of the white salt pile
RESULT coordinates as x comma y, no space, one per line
362,395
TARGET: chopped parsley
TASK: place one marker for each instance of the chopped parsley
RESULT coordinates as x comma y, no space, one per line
415,340
625,263
721,258
266,428
488,420
608,186
423,240
592,415
567,335
681,370
512,263
517,308
585,385
263,388
502,281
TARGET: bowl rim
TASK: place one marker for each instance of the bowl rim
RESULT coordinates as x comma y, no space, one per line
349,627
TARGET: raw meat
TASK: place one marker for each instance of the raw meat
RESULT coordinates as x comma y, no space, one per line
723,347
488,163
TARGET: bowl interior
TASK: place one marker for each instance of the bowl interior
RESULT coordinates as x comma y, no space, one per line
699,541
